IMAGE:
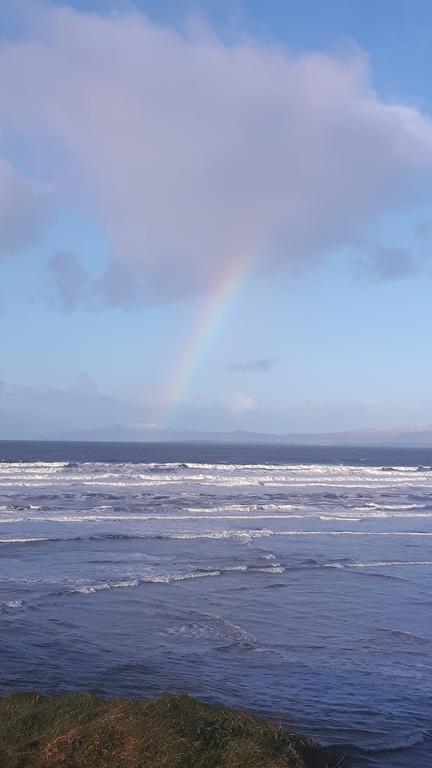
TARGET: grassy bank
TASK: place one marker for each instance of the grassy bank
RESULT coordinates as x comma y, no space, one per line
82,731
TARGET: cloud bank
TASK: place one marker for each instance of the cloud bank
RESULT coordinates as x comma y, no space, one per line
46,410
191,153
41,410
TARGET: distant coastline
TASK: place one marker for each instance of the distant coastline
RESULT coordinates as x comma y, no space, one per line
418,436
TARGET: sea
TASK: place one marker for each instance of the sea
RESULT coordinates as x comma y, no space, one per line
293,582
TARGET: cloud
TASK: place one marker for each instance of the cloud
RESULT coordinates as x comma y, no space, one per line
24,210
262,365
192,153
70,278
389,264
424,230
424,238
38,410
242,403
47,410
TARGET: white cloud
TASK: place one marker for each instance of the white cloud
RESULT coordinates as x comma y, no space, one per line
242,403
191,152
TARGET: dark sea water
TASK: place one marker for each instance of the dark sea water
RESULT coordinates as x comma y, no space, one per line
294,582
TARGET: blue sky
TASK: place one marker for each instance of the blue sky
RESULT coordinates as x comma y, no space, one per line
143,147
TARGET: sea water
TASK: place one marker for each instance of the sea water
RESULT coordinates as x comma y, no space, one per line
295,582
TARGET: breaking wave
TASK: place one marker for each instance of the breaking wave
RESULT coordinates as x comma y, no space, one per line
6,605
392,744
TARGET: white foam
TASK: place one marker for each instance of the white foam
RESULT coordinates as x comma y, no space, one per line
238,534
387,563
24,541
122,475
340,518
185,576
144,518
11,604
88,589
262,533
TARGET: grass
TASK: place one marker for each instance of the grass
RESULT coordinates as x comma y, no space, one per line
83,731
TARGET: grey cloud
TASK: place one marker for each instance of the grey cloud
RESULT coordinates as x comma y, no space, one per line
71,280
424,230
194,154
261,365
389,264
424,238
25,210
86,385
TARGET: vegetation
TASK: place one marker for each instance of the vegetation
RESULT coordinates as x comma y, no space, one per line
82,731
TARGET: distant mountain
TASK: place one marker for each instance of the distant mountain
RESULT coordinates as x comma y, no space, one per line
408,436
143,434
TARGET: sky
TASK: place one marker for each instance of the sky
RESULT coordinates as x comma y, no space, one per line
215,215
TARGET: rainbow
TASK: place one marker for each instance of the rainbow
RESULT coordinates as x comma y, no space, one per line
204,330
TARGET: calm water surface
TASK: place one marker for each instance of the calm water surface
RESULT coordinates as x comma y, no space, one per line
295,582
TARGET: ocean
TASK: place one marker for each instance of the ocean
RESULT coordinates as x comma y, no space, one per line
295,582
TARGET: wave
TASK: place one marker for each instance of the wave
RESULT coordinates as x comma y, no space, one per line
408,636
148,517
135,468
208,627
28,540
392,744
11,604
246,535
388,563
351,533
340,518
399,743
169,578
89,589
161,467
